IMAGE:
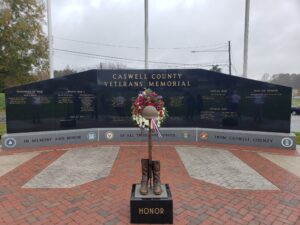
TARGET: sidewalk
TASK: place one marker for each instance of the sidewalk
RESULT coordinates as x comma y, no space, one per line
60,186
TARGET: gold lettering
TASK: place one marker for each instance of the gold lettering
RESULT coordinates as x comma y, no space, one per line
165,76
166,84
162,83
151,211
123,84
141,211
151,83
162,211
146,211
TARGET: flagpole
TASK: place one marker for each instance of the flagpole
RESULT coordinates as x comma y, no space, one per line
50,39
246,34
146,34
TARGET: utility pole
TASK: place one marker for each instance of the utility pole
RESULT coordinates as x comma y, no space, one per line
146,34
245,66
229,55
50,39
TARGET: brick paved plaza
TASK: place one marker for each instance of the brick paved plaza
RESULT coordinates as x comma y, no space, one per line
91,184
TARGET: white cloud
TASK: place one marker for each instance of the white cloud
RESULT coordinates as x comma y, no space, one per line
95,3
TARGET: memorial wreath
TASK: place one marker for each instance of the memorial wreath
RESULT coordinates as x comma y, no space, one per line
148,98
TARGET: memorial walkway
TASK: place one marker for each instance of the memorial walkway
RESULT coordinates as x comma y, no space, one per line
91,184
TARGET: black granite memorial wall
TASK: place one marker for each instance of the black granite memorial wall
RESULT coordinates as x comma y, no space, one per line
103,98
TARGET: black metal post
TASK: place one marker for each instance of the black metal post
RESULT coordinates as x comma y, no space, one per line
229,54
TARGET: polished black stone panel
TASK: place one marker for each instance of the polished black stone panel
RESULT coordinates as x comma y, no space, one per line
151,210
103,98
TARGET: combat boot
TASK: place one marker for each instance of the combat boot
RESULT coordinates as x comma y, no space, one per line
144,181
156,177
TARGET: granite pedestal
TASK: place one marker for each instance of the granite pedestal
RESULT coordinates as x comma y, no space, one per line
151,208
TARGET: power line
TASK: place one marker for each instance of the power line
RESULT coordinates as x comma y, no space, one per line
114,58
141,61
209,47
214,46
209,51
97,43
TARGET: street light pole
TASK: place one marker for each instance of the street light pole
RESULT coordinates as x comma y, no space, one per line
50,39
245,66
146,33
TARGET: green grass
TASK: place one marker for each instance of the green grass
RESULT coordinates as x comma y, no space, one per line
296,101
2,128
2,113
297,137
2,102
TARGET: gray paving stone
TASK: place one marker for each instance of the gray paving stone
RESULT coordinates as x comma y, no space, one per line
76,167
10,162
220,167
103,213
113,221
290,163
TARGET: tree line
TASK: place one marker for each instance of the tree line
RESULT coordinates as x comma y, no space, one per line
286,79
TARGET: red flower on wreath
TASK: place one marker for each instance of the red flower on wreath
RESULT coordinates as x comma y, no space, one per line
148,98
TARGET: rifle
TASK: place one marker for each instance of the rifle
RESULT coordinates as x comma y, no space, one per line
150,154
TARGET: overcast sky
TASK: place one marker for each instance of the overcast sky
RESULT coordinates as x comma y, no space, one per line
177,27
